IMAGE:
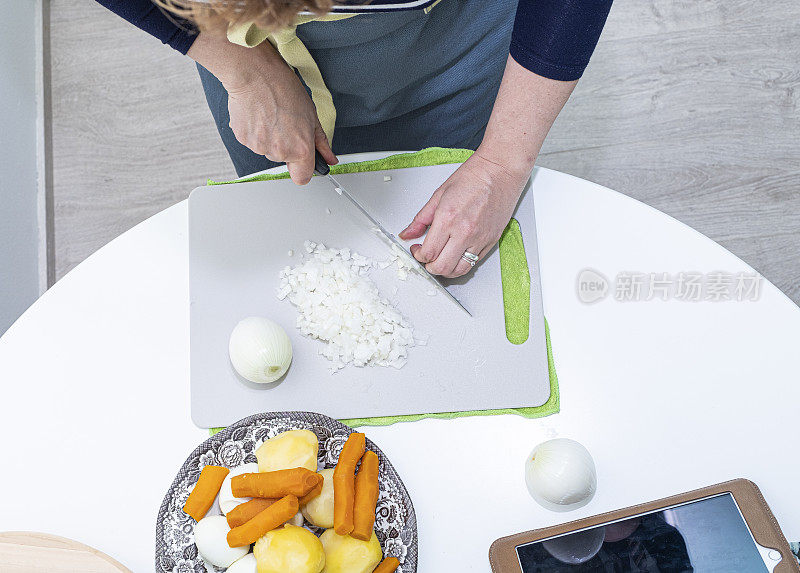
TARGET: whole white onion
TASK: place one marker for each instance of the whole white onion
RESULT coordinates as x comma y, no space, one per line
560,475
246,564
260,350
210,536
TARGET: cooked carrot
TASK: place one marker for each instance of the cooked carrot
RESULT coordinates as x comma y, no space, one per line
248,510
297,482
366,497
275,515
388,565
344,478
205,491
314,492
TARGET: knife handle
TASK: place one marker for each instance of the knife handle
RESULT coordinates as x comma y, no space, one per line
321,166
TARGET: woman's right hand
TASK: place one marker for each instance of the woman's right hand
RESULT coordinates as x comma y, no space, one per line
270,110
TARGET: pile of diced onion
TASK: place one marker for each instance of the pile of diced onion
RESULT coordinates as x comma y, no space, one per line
339,304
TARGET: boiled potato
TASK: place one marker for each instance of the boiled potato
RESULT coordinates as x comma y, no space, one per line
319,510
287,450
343,554
289,549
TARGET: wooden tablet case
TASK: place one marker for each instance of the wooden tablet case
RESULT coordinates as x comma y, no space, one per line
503,556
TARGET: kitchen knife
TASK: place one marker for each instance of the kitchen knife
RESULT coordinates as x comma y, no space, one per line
322,168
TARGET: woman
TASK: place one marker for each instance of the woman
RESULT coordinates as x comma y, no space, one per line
489,75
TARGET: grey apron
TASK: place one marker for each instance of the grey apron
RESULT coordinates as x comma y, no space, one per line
400,80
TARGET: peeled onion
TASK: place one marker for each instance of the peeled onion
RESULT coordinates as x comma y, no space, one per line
226,499
560,475
246,564
210,537
260,350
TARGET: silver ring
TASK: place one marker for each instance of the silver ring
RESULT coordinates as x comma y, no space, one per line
471,258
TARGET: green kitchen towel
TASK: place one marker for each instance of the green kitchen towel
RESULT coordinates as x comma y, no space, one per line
514,273
515,278
424,158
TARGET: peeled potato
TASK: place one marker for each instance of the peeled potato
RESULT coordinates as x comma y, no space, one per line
319,510
343,554
289,549
287,450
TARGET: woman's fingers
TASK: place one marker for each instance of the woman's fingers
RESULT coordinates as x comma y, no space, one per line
323,145
462,268
450,263
423,219
302,168
447,260
298,152
433,244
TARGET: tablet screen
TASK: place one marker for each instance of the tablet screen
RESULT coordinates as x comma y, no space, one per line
704,536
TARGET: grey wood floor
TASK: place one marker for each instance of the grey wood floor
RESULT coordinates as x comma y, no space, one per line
689,105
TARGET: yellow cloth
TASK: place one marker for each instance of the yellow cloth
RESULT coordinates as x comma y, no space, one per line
295,53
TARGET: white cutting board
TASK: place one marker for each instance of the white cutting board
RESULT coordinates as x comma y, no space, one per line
239,239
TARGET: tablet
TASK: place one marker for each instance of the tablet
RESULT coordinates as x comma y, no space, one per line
726,528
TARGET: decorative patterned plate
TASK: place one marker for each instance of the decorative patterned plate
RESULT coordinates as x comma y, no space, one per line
395,526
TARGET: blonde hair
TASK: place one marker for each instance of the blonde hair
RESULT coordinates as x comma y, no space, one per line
218,15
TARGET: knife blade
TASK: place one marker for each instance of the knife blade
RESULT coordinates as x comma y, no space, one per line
322,168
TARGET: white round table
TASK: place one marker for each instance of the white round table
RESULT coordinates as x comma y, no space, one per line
667,395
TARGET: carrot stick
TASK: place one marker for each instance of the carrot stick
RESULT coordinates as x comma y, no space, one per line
248,510
314,492
205,491
388,565
276,514
297,482
344,478
366,497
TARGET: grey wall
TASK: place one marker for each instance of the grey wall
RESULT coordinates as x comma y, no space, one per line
19,233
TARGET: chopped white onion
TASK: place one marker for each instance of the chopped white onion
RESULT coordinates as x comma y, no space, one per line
339,304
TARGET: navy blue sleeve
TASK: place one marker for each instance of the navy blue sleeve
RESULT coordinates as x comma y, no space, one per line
556,38
143,14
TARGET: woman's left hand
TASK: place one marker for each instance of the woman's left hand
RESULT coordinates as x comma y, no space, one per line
467,213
